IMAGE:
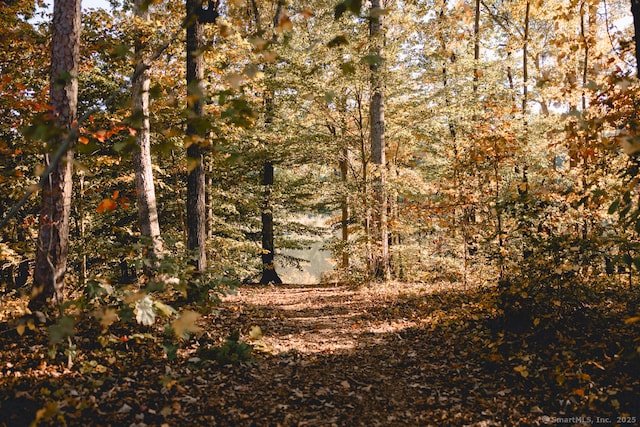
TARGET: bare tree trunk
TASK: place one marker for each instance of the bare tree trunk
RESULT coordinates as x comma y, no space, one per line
343,164
53,238
525,71
381,267
635,11
269,274
344,207
196,215
145,191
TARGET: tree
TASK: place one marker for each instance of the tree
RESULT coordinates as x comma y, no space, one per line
145,190
196,190
53,236
635,11
269,273
380,263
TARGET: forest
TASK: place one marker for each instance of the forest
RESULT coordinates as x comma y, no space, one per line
320,213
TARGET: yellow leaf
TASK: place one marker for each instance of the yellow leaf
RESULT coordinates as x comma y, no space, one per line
192,164
107,317
495,357
269,56
631,320
186,324
522,370
584,377
258,43
255,333
235,80
50,409
20,328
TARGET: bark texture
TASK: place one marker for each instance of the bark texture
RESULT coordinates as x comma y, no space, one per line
635,11
53,236
269,273
145,190
196,214
380,264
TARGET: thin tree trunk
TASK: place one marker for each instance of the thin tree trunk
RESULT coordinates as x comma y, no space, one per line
145,191
269,274
196,215
344,207
344,177
635,11
476,48
525,71
53,237
83,261
381,267
525,95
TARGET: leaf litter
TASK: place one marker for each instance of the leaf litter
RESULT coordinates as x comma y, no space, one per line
332,355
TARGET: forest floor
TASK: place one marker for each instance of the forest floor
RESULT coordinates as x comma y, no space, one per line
391,355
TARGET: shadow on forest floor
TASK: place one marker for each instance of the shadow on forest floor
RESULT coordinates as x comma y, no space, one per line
397,355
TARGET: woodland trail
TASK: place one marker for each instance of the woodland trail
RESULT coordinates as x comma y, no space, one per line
389,355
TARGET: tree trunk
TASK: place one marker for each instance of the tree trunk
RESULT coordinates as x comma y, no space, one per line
53,237
381,268
145,191
196,215
344,207
525,70
269,274
635,11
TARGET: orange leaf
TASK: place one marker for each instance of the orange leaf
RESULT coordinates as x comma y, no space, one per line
307,13
83,140
100,135
116,193
106,205
285,24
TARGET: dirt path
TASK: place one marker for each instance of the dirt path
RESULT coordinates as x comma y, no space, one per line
394,355
337,356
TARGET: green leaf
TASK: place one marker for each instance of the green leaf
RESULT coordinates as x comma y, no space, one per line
61,330
372,59
170,350
348,68
126,314
354,6
338,41
614,206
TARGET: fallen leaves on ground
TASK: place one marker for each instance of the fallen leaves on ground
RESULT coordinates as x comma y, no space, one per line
397,355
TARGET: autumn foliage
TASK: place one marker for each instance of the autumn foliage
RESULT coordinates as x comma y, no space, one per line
464,173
